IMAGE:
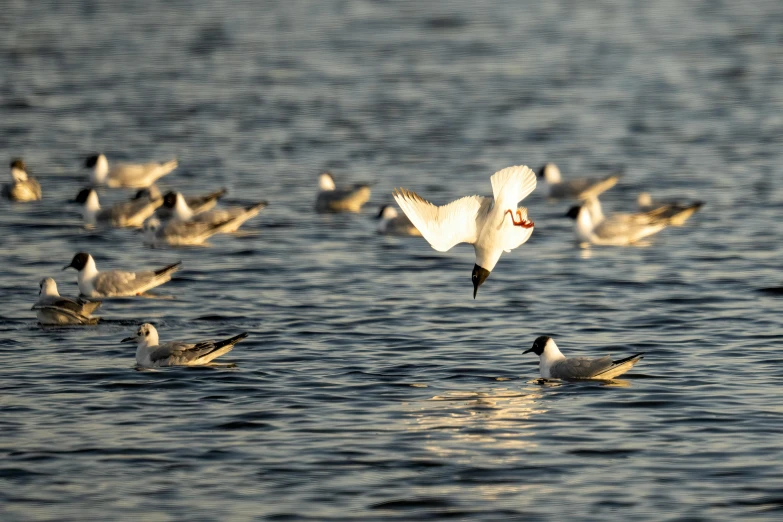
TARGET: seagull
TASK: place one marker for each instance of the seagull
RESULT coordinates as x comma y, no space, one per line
343,199
393,224
115,283
126,214
180,233
581,188
229,219
675,211
197,204
478,220
24,188
554,365
54,309
129,175
616,230
151,354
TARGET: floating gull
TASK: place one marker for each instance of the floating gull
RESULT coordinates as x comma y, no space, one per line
554,365
229,219
197,204
592,228
343,199
180,233
393,224
130,175
126,214
23,188
478,220
580,188
676,212
55,309
150,354
115,283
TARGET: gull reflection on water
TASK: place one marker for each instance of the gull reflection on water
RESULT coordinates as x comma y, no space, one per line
461,424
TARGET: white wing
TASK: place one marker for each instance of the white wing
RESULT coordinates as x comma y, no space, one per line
513,184
515,236
443,227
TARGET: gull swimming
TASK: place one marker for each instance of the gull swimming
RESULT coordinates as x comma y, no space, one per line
55,309
23,188
593,228
151,354
676,212
478,220
129,175
229,219
554,365
343,199
116,283
180,233
580,188
197,204
394,224
131,213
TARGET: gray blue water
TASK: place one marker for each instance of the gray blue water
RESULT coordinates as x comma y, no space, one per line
372,386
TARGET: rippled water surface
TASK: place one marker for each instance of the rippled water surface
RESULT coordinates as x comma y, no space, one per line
372,386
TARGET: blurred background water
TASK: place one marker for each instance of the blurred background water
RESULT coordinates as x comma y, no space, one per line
373,387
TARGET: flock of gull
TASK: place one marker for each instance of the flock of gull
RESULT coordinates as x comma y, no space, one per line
493,225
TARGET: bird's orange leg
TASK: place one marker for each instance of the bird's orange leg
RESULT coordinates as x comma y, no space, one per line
524,223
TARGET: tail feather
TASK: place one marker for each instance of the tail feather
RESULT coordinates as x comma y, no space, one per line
231,341
619,367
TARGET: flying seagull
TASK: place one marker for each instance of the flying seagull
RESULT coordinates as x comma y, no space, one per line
492,226
554,365
151,354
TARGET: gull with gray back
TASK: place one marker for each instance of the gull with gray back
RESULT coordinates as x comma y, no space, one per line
554,365
150,353
128,175
578,188
124,214
116,283
332,198
23,188
55,309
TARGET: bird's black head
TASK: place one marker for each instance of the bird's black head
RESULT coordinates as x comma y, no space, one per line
381,211
538,345
91,161
17,163
573,212
79,261
142,194
170,200
479,276
541,171
81,197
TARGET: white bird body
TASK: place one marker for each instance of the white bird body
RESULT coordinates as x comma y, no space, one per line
340,199
131,213
554,365
593,228
116,283
481,221
24,188
54,309
229,220
151,354
128,175
579,188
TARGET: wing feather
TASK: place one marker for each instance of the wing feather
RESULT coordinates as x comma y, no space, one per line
443,227
580,367
512,184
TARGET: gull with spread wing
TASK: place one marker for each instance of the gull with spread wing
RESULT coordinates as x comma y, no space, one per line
554,365
491,225
151,354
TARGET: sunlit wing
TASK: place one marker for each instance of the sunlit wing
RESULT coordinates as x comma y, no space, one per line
513,184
